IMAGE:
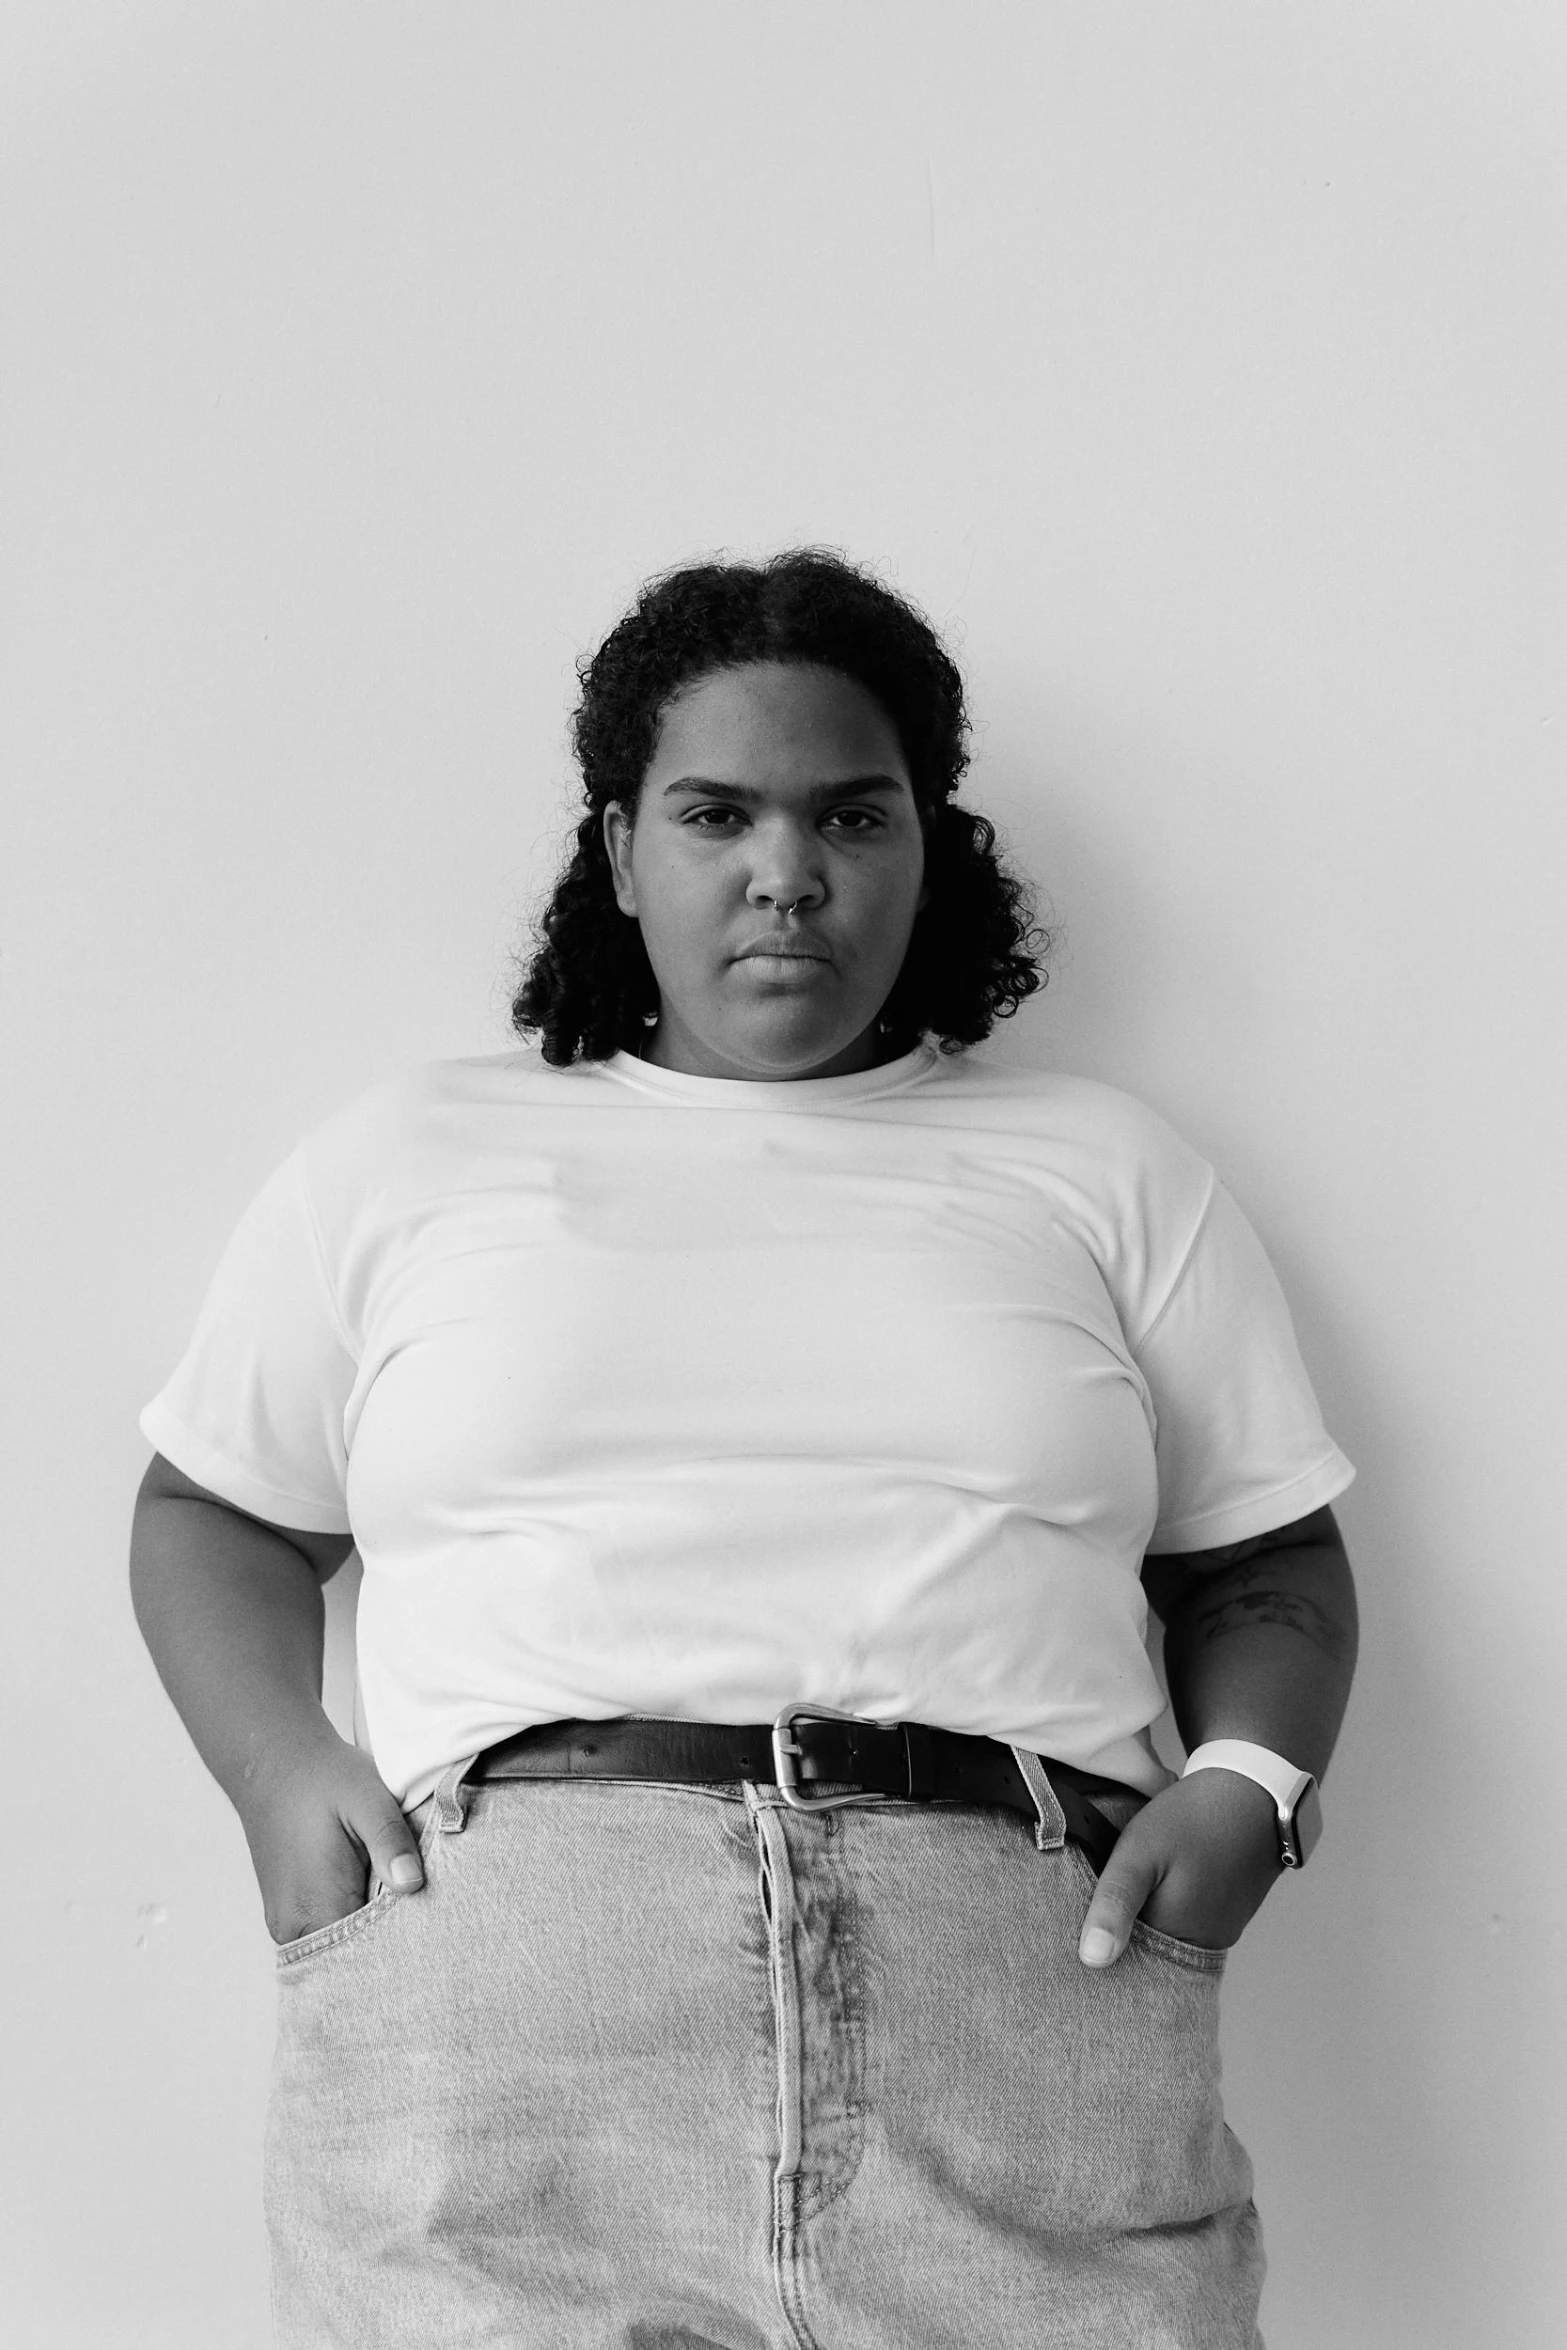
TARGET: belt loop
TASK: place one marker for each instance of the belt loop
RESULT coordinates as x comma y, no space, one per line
1050,1827
451,1803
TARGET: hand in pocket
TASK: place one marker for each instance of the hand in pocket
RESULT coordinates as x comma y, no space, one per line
1196,1863
322,1826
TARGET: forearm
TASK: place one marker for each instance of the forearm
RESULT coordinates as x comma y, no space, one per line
1259,1644
233,1617
1265,1650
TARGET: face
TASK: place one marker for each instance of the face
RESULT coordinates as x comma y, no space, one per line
776,865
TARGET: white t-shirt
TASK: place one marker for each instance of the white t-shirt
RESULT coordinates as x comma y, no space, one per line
646,1393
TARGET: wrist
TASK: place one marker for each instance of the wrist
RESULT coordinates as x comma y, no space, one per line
1233,1808
1290,1790
279,1757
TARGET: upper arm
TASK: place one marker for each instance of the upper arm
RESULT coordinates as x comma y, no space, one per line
164,1482
1169,1577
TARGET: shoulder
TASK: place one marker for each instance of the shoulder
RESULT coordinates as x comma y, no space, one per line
1127,1137
432,1110
1114,1169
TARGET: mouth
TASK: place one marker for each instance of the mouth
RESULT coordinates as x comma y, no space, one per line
785,969
784,966
780,950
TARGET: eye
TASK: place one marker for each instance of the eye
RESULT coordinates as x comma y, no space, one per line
719,816
725,816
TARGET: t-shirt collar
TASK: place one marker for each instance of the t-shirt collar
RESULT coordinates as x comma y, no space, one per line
796,1093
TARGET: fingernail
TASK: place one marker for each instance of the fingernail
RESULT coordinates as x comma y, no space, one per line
1097,1948
406,1872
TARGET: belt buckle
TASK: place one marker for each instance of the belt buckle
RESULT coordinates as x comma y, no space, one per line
787,1749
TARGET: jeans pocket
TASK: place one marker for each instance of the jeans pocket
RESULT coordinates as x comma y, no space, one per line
340,1930
1195,1955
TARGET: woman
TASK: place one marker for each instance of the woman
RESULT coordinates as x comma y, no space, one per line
757,1915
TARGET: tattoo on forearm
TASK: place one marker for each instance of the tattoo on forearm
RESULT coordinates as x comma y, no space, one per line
1239,1610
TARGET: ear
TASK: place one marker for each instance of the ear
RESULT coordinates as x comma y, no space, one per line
617,847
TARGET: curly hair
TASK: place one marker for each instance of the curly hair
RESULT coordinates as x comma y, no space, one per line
975,952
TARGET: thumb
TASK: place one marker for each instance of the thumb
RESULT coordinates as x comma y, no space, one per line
373,1817
1128,1879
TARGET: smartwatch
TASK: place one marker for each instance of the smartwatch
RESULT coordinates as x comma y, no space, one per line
1294,1792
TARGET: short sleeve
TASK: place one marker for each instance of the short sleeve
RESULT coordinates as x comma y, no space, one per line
254,1410
1240,1445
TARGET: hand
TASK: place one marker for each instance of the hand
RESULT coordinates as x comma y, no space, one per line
320,1823
1196,1862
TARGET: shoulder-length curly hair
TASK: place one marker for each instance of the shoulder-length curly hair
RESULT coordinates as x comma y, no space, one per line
589,988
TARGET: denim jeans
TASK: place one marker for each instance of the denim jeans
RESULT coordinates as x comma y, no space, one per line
648,2065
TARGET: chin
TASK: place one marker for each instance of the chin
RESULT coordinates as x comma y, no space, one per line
791,1048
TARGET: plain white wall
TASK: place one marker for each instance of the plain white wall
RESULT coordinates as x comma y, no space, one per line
1200,369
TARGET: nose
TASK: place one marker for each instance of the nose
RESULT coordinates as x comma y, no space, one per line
786,870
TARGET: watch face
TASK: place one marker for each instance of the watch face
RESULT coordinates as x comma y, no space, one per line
1308,1824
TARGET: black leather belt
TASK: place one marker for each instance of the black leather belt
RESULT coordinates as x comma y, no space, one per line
803,1749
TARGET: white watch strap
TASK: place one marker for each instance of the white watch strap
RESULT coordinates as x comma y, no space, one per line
1283,1780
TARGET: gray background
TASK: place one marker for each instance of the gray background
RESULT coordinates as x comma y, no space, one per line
1200,368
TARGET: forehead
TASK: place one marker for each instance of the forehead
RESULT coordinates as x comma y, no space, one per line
771,721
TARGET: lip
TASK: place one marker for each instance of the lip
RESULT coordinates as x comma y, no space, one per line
781,949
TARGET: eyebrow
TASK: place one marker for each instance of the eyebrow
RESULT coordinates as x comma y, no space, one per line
820,793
